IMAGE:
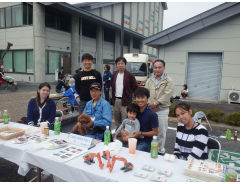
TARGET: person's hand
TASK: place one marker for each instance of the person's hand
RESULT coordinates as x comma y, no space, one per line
103,82
31,123
90,124
115,137
151,105
125,138
136,134
124,132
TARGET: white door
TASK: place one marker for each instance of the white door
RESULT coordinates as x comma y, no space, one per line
204,74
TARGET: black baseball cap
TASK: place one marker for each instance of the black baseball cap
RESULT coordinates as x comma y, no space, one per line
95,85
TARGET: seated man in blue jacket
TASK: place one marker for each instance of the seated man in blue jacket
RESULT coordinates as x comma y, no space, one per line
100,112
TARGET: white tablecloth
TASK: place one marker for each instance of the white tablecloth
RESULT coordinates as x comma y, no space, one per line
77,170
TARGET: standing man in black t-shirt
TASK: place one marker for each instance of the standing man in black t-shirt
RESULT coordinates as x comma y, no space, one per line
84,79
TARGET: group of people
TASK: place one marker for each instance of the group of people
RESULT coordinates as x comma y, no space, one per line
139,112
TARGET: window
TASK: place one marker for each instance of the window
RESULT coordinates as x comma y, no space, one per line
8,61
2,18
53,61
89,28
57,20
8,17
46,61
136,43
17,15
126,40
109,35
19,61
27,14
30,61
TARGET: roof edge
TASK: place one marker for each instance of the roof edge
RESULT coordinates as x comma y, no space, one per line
190,21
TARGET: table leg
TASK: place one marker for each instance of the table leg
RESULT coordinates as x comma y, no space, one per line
38,174
24,179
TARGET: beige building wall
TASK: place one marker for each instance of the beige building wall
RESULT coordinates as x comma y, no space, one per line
223,37
20,37
57,40
107,12
7,4
139,15
109,50
89,46
25,41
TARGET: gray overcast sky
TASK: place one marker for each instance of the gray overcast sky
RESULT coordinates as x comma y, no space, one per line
178,12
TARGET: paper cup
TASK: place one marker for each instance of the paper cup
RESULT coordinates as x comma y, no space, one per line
132,145
42,126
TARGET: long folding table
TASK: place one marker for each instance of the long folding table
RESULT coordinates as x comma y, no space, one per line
76,170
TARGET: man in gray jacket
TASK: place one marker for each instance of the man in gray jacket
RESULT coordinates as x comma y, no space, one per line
161,88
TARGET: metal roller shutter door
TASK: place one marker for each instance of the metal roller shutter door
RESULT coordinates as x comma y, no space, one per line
204,75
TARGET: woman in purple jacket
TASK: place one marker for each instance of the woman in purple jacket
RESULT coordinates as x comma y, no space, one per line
41,108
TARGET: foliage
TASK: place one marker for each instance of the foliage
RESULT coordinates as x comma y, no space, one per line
216,115
233,118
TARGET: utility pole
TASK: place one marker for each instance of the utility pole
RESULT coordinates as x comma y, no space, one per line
122,28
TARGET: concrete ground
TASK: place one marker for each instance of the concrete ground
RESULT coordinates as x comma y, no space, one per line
16,103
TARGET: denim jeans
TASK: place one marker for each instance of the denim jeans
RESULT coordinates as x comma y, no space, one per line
82,104
99,136
143,145
106,91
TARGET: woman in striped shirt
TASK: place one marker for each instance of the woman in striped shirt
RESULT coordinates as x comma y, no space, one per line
191,137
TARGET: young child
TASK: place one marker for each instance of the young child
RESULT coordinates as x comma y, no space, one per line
131,124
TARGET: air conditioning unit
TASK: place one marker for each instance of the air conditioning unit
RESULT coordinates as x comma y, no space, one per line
234,96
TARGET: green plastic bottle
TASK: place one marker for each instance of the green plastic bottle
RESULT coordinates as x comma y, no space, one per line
57,126
231,174
107,136
154,147
5,117
228,134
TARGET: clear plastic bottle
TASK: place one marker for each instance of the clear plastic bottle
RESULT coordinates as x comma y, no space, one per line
235,136
107,135
231,174
154,147
5,117
57,126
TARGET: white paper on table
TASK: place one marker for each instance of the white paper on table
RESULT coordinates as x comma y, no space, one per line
68,153
32,130
54,144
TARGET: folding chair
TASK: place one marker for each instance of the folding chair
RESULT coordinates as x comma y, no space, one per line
62,105
59,114
214,144
198,116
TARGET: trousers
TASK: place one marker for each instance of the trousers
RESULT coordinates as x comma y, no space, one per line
162,129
